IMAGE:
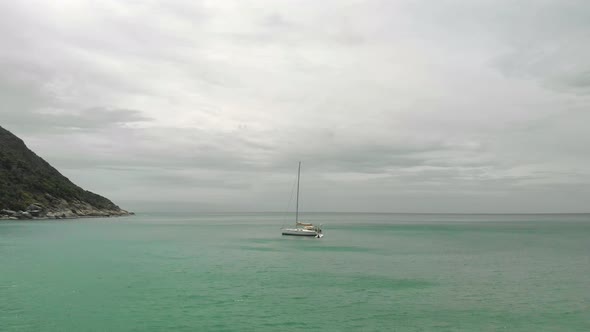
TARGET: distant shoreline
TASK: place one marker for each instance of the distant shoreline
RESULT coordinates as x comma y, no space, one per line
64,216
397,213
131,214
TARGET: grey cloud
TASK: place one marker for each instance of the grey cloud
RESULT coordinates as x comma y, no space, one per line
187,180
28,102
405,105
197,149
558,69
541,40
89,119
581,80
276,20
97,117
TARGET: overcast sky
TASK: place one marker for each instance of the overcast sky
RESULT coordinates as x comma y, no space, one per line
400,106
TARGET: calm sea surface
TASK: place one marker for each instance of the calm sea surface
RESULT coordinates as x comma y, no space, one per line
235,272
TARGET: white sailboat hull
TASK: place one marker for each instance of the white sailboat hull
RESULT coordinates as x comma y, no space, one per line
299,232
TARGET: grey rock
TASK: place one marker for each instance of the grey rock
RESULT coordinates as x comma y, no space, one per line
36,210
8,212
24,215
37,213
35,206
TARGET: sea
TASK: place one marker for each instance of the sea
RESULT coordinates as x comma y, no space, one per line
235,272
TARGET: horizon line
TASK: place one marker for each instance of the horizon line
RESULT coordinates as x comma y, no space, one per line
380,212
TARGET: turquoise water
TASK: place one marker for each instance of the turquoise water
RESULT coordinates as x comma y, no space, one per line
234,272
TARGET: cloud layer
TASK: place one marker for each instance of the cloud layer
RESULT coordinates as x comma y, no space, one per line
407,106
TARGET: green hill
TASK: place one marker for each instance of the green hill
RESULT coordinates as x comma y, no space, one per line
27,179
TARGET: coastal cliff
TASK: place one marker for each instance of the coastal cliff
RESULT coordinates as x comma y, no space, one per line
31,188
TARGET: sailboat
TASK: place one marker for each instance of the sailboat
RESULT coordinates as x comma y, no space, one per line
302,228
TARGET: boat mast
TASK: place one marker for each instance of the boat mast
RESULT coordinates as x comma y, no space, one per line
297,204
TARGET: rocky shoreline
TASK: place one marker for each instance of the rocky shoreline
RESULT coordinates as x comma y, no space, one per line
62,210
30,188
